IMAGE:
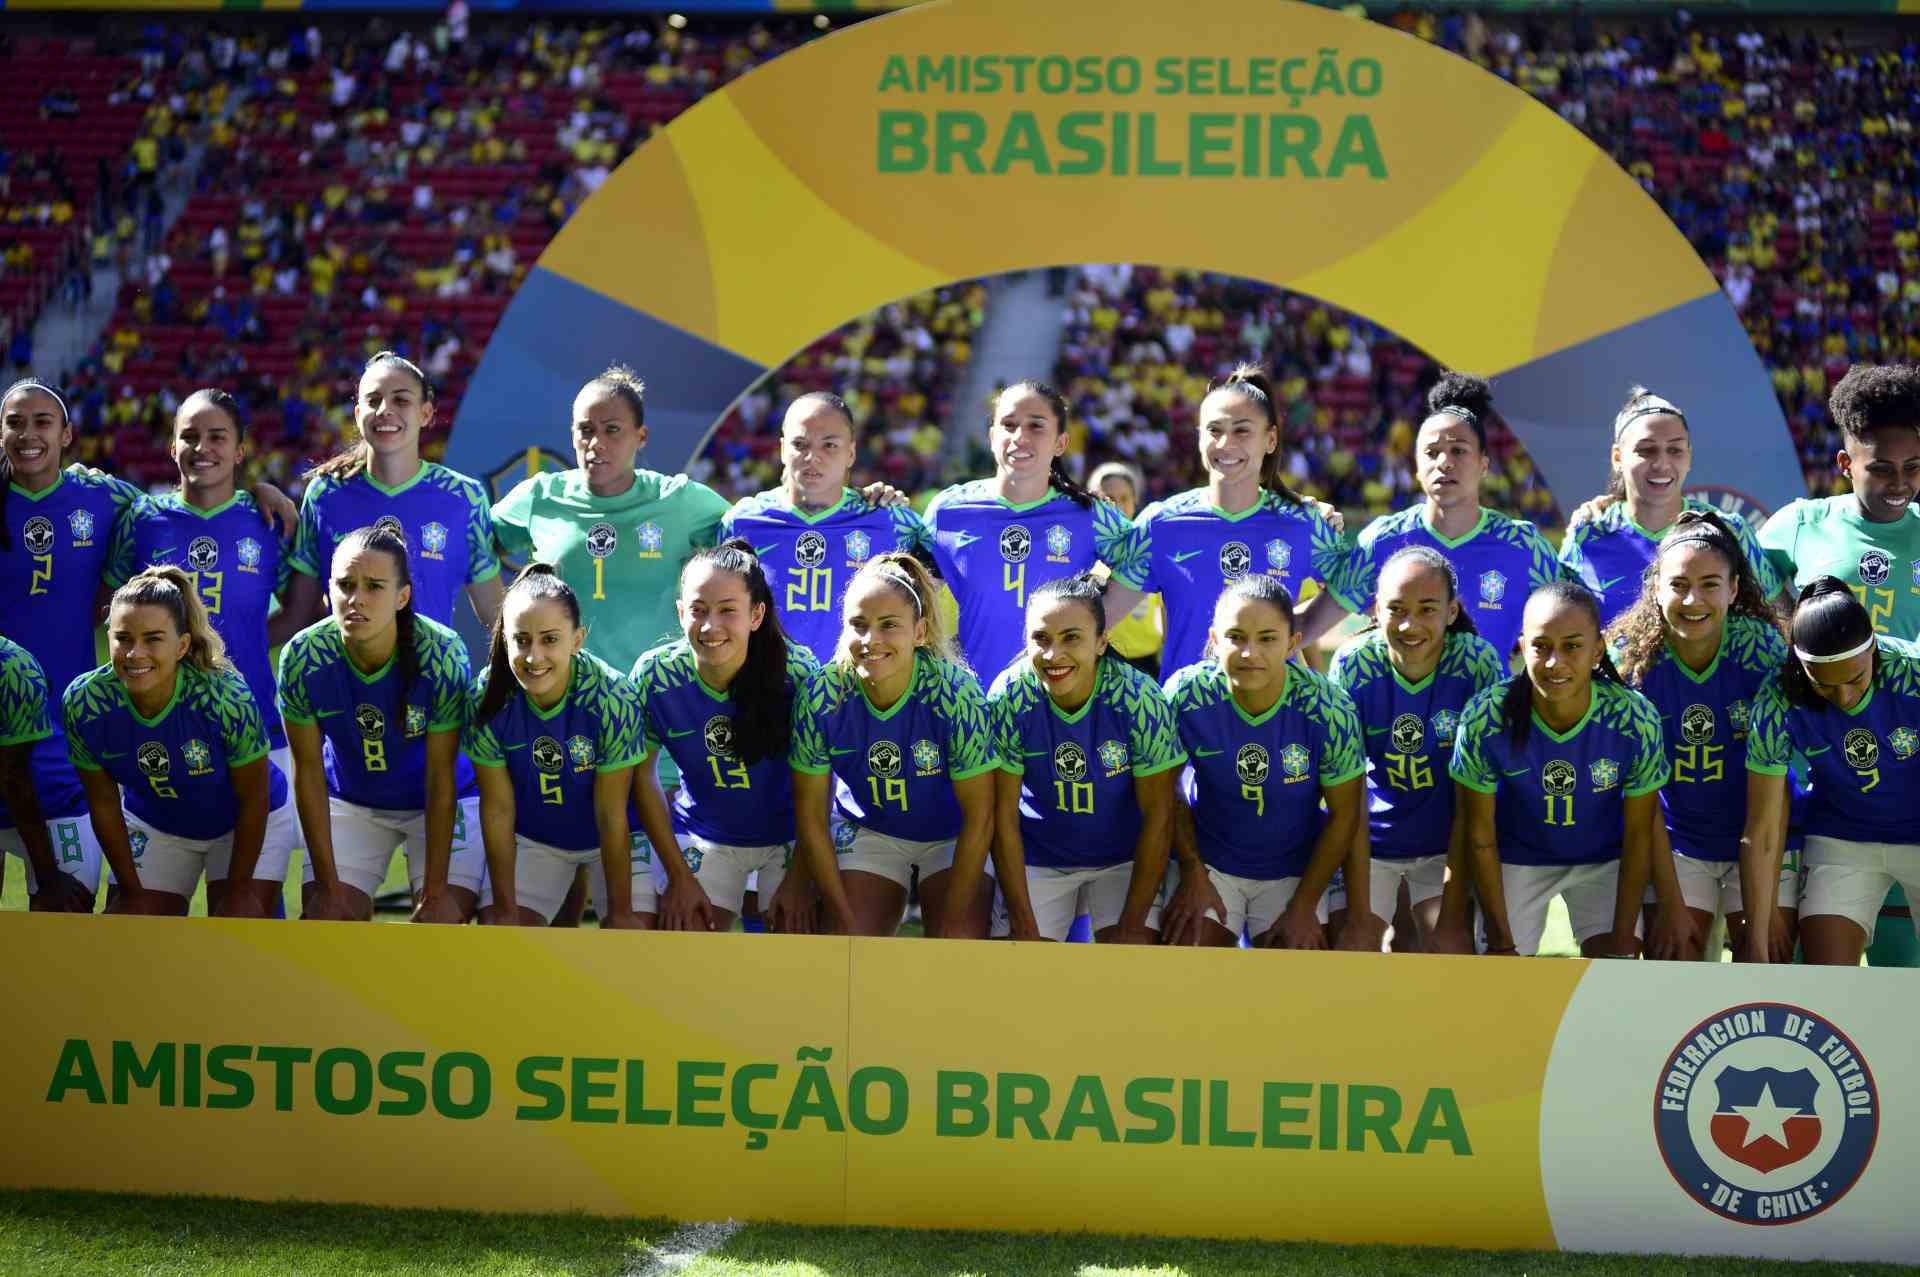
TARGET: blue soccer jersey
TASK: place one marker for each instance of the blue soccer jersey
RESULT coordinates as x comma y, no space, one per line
1561,796
809,558
994,554
1254,781
374,750
237,564
1410,730
50,575
1609,554
720,798
1705,718
443,514
23,697
1499,564
1866,784
553,756
1077,804
172,768
894,769
1190,550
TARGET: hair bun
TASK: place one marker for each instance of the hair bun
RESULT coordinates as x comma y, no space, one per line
1460,390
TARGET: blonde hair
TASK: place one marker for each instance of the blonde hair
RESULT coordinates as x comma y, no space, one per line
909,578
171,589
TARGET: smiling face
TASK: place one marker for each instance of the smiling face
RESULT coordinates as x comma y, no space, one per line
206,447
1253,642
881,630
1064,643
1414,610
606,438
1884,469
1562,647
541,641
1841,683
1119,490
718,615
1026,435
34,433
1449,461
816,451
147,647
1235,435
366,592
1653,457
1695,586
392,410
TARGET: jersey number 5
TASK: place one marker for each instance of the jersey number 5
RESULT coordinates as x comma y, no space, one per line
1698,764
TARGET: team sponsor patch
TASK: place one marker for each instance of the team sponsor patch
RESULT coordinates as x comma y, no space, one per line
602,540
883,758
38,534
810,550
1696,724
547,755
1875,567
718,737
1251,765
1069,761
203,554
1235,559
1409,734
1016,543
1766,1114
1862,749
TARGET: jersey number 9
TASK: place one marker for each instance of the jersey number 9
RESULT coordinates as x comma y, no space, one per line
1257,795
813,592
894,790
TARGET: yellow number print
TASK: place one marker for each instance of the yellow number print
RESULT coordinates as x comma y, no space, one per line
164,790
1879,604
1869,779
550,790
1409,771
1257,795
1013,576
599,580
731,776
1075,798
374,754
42,574
1699,764
1562,804
813,592
210,585
894,791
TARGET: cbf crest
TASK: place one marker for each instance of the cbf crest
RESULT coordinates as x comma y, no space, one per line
433,540
1904,741
1605,774
926,758
859,546
1113,757
580,753
416,721
1294,761
1445,724
651,539
198,758
1279,557
1766,1114
1493,588
247,550
80,523
1059,543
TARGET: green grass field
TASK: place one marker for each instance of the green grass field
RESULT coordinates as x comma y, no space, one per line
47,1233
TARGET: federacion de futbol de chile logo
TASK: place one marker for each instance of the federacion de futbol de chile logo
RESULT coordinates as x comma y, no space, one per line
1766,1113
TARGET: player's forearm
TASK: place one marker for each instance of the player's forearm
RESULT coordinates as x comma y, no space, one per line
249,824
316,823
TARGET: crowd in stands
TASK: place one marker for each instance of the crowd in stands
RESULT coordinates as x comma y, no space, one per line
377,185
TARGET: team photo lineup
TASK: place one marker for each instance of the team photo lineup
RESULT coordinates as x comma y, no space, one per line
768,705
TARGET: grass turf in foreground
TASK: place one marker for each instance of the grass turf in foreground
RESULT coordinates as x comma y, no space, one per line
54,1233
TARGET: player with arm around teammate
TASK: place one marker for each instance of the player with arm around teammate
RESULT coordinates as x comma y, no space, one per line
1410,680
374,698
1268,741
893,771
23,724
1849,702
1084,799
170,748
1559,771
719,702
1701,644
553,736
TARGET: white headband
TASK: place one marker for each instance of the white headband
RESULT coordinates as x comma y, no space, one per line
1808,658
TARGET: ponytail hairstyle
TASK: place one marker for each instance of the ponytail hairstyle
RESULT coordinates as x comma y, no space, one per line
1261,588
1251,382
1462,397
356,457
1641,633
1431,560
6,463
541,582
1641,402
385,537
213,397
624,383
1056,471
171,589
762,698
1516,702
1828,621
907,577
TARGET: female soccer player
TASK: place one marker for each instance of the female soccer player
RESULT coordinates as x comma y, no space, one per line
1499,560
553,736
1410,680
1088,755
172,754
1848,701
813,532
720,702
212,529
895,728
1609,551
374,698
1246,520
1140,635
997,540
617,535
440,513
1560,768
23,724
1700,644
1268,743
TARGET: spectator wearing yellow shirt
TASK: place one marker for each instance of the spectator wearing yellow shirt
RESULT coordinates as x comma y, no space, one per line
1138,636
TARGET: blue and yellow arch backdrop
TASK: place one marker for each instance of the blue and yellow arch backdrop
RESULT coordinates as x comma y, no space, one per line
1272,140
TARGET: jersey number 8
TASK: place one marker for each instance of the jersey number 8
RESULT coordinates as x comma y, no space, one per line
374,754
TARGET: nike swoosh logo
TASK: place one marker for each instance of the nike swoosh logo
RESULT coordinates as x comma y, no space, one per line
328,713
685,731
521,745
1034,753
961,540
1523,771
1377,731
1610,583
108,753
838,752
764,550
1207,753
1184,555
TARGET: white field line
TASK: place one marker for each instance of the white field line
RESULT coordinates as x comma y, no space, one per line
679,1249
